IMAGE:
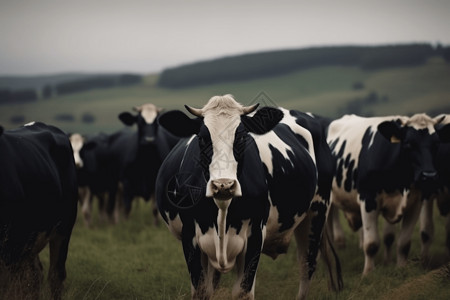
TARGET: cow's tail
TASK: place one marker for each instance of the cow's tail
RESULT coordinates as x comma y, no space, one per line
327,250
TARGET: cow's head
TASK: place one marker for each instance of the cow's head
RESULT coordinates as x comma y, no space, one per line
145,119
419,140
77,142
221,128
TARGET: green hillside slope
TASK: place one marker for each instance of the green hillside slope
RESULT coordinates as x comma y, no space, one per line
327,90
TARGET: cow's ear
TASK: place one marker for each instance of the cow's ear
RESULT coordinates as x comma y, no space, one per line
1,130
127,118
444,133
179,124
263,121
391,130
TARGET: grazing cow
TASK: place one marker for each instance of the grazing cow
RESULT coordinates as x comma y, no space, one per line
38,205
442,196
383,165
237,186
139,154
95,174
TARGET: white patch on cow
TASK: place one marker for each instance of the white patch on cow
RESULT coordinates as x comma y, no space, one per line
149,112
264,141
77,141
30,124
222,258
273,238
175,225
222,115
290,121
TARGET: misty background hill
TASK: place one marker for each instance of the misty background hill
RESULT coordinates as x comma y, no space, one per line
330,81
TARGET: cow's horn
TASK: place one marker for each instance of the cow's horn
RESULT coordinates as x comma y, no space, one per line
195,111
439,119
137,108
248,109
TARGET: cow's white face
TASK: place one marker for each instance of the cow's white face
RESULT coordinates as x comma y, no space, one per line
77,141
149,112
222,119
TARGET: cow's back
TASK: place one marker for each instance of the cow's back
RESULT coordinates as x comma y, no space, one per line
39,186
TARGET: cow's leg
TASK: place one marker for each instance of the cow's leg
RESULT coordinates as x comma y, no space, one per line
301,237
59,246
409,221
388,240
336,230
426,227
102,206
86,204
447,232
371,240
203,276
247,265
155,211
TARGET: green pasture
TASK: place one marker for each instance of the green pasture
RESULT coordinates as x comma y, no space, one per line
136,260
327,91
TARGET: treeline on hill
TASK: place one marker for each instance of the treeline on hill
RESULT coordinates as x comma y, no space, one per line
272,63
8,96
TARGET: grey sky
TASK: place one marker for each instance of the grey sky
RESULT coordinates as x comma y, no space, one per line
52,36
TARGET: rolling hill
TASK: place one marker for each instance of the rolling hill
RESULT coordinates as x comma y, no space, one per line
326,90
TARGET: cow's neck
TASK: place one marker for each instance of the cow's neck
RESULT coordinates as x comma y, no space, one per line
222,224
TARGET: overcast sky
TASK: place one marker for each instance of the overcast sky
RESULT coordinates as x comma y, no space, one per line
145,36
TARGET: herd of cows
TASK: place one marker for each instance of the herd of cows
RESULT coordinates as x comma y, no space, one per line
231,182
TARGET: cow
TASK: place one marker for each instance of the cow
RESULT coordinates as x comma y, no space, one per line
38,206
139,154
383,165
237,185
441,195
95,173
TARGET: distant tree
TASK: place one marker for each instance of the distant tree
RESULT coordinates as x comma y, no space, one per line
5,96
25,95
47,91
129,79
17,119
64,117
88,118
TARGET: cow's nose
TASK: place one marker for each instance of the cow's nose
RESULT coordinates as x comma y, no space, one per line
224,188
432,175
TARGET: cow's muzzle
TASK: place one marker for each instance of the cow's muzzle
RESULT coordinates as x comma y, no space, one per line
223,189
432,175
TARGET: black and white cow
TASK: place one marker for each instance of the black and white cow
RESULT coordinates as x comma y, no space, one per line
38,205
441,195
95,174
239,185
383,165
139,154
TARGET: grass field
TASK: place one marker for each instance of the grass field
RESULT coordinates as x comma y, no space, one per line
136,260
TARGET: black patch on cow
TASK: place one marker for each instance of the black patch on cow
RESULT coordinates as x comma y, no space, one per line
424,237
372,249
317,223
348,184
404,250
